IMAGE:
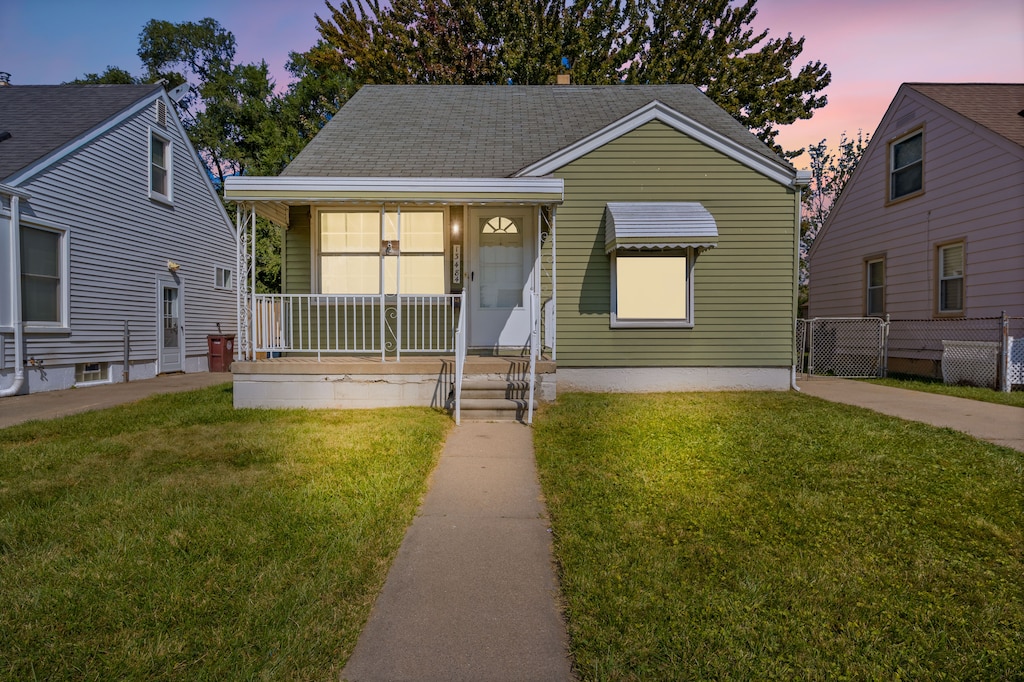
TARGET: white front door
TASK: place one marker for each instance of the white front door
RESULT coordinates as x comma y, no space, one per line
170,335
501,258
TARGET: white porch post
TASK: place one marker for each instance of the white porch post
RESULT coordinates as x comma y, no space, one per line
383,300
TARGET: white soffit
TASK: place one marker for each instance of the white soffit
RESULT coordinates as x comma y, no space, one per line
658,225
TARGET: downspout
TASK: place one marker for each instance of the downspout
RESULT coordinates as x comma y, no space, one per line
18,323
802,179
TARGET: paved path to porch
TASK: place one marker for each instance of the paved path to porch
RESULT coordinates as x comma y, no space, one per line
472,594
999,424
52,404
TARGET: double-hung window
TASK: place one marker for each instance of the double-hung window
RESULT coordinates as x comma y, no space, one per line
43,276
951,279
875,277
160,168
906,166
351,252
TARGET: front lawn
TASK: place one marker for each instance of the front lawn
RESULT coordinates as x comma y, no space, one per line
777,536
1014,398
181,539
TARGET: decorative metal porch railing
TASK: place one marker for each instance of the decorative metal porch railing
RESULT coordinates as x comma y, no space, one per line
354,324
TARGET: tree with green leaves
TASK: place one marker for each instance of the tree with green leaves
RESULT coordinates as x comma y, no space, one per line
831,169
112,76
708,43
231,113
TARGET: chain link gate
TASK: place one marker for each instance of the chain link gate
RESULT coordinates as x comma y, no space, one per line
848,347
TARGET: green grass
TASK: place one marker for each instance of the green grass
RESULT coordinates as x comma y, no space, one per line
1014,398
178,538
777,536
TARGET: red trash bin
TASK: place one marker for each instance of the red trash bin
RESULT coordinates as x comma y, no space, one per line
222,350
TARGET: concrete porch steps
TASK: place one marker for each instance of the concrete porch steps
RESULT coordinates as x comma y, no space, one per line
489,398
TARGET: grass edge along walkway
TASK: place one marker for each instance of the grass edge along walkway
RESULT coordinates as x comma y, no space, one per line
178,538
778,536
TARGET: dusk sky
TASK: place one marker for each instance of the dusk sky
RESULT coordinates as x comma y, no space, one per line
870,46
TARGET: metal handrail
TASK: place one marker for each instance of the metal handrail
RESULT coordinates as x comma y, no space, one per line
460,356
534,340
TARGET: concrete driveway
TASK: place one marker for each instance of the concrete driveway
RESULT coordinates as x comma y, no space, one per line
999,424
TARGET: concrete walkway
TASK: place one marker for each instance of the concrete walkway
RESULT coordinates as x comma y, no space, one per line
999,424
53,404
472,594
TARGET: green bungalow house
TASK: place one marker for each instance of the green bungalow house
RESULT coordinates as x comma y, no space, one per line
480,247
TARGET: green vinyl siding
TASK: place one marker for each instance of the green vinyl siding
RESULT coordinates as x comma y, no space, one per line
298,245
744,289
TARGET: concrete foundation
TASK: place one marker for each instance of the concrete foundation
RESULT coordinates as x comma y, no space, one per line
670,379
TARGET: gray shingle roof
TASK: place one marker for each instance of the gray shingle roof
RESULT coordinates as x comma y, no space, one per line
43,118
996,106
489,131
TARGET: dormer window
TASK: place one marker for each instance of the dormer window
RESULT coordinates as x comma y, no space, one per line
159,168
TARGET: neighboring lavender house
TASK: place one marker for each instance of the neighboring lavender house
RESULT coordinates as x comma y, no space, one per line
931,225
108,222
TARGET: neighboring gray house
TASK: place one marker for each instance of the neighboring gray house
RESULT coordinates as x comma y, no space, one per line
114,246
931,225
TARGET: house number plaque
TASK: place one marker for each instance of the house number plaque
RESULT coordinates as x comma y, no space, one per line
456,263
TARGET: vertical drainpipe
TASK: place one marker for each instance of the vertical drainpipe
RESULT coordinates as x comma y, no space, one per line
802,179
18,323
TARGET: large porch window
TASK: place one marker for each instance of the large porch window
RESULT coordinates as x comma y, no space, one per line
351,257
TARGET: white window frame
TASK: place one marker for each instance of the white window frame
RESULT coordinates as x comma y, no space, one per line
165,197
942,277
61,325
80,371
685,323
893,170
868,288
219,275
316,266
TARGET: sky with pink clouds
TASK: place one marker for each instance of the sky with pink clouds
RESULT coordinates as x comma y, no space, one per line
870,46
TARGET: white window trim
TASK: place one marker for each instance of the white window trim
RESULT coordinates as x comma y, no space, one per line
316,281
217,277
941,278
893,170
167,198
63,326
685,323
97,382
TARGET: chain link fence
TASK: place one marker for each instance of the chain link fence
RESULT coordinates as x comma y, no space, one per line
967,351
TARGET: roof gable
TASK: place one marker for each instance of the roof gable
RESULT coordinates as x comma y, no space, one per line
47,121
996,106
492,131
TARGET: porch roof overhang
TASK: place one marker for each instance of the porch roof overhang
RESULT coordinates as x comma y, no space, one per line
659,225
271,196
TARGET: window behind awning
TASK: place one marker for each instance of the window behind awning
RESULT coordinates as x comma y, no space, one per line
659,225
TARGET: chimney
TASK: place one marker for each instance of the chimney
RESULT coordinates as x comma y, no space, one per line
563,79
5,79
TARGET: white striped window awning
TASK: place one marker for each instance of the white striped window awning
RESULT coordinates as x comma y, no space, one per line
659,225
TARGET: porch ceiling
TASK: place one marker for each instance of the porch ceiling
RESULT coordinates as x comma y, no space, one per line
272,195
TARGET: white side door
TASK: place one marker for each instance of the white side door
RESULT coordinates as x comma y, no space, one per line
170,333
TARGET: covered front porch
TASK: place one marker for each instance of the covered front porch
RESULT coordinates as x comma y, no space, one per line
395,289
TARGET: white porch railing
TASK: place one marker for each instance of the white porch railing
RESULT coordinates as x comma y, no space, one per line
356,324
460,356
